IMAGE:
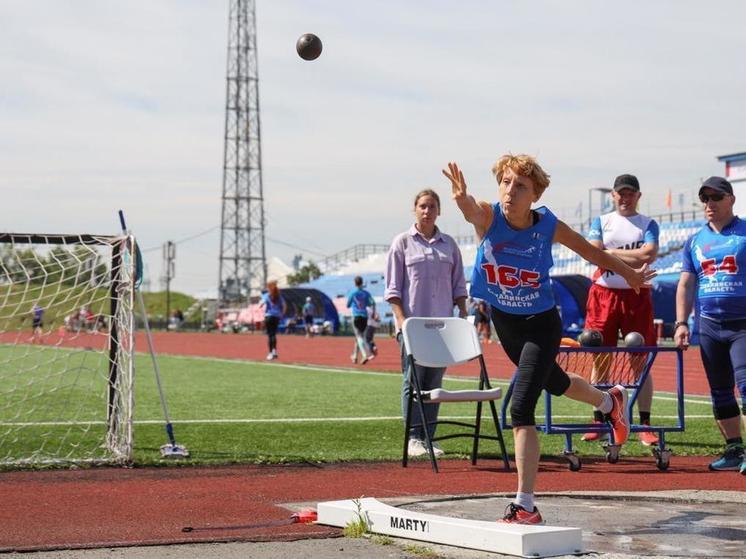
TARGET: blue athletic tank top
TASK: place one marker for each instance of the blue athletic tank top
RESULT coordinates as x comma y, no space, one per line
511,271
719,260
272,308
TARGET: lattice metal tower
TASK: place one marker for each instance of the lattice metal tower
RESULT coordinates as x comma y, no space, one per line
243,263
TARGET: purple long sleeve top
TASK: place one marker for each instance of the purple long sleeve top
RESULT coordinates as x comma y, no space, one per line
428,276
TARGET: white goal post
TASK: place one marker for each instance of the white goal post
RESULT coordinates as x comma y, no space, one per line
66,348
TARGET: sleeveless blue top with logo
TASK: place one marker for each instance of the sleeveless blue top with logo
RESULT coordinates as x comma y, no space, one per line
511,271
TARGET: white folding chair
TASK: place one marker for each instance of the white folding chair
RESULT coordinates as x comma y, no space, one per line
442,342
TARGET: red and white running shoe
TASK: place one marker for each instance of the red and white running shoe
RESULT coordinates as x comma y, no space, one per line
618,418
516,514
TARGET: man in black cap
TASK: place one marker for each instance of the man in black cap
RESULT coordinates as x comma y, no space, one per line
714,266
613,306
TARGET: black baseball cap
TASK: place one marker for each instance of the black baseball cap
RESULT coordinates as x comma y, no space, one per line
717,183
627,181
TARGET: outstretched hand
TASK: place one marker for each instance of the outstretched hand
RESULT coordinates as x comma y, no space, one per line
458,184
641,277
479,214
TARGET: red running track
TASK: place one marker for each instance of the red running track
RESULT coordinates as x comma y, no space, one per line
116,507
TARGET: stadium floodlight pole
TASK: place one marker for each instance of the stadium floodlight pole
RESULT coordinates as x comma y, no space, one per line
171,450
242,273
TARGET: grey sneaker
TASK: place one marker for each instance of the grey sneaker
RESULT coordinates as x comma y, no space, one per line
416,448
437,451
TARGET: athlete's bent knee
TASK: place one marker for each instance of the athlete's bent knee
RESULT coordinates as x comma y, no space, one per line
558,384
726,411
521,418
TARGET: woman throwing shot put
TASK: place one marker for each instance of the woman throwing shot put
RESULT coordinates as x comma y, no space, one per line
511,273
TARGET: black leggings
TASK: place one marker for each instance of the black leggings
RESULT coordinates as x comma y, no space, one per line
360,323
271,323
532,343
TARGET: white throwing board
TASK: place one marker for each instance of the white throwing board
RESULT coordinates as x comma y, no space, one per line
513,539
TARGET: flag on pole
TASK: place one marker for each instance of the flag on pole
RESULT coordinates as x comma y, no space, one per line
668,199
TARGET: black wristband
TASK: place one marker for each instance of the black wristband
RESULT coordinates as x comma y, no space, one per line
680,323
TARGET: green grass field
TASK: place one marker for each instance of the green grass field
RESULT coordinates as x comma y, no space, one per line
244,412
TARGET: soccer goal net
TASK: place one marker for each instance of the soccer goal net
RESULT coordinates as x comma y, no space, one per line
66,348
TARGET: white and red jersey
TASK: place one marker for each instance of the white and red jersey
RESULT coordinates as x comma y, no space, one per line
617,231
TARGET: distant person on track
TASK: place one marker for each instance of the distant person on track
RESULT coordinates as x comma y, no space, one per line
424,278
511,273
482,321
374,321
309,311
359,301
37,323
177,319
612,306
714,268
274,309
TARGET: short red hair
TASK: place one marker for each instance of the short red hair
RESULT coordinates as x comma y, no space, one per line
524,165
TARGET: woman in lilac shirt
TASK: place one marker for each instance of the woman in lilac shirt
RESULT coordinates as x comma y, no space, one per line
424,278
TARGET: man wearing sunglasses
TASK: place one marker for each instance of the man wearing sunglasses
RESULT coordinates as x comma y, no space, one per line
714,267
613,306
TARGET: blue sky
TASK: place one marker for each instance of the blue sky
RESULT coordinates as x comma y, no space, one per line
107,105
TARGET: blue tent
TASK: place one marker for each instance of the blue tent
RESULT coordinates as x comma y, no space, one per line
571,295
664,305
295,298
664,301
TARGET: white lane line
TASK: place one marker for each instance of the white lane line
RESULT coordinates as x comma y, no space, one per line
343,370
292,420
362,419
340,370
686,400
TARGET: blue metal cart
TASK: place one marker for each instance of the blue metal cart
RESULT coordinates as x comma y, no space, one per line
627,366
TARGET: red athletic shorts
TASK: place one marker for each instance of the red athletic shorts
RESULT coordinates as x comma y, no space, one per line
612,310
